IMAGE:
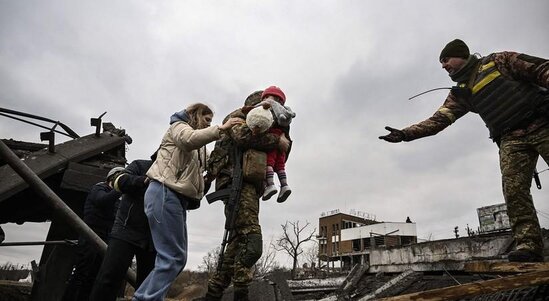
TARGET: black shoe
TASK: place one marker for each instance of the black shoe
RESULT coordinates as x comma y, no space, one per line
524,256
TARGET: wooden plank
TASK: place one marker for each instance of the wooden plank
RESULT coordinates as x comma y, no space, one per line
82,177
505,267
22,145
478,288
45,164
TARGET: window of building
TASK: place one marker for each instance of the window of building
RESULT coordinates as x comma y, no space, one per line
356,245
366,243
379,240
348,225
406,240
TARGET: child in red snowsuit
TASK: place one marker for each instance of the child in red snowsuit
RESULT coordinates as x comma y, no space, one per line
276,159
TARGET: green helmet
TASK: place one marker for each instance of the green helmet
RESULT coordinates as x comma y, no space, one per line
253,98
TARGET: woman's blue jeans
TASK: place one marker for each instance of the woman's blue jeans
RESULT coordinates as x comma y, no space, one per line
168,223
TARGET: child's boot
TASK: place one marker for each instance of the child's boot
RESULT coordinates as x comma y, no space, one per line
269,192
285,192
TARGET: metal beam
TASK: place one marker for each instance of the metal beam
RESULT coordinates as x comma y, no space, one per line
55,202
39,243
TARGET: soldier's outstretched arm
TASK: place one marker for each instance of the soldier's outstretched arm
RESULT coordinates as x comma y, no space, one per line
452,109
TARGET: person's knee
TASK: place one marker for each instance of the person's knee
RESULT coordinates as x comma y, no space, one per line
252,251
514,187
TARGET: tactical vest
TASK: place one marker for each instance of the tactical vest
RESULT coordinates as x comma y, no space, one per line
502,103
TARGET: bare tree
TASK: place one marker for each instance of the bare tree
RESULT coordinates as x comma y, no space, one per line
209,261
267,262
291,241
311,254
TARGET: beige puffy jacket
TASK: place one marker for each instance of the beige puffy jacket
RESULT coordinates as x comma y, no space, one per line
181,159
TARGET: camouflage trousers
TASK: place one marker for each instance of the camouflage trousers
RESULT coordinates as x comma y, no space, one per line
244,247
518,159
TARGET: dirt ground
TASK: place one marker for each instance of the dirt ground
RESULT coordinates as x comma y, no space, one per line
187,287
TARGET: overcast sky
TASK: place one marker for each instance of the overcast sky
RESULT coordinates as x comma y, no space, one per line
347,68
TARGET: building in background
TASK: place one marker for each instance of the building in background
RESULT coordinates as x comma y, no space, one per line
493,218
349,238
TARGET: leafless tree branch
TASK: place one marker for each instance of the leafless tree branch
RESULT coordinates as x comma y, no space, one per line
291,241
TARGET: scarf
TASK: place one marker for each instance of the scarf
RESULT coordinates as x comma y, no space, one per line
465,72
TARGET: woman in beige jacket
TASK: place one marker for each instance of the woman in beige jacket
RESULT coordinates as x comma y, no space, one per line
176,185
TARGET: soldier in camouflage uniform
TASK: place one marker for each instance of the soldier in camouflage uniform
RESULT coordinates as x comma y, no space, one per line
245,243
509,92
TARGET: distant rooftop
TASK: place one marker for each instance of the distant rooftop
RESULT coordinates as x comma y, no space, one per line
352,212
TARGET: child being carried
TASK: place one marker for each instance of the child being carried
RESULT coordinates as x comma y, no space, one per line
273,116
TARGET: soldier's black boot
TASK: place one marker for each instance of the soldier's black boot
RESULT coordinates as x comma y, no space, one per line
524,255
241,294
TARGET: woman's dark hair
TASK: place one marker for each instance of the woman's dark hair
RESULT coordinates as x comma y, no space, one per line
195,113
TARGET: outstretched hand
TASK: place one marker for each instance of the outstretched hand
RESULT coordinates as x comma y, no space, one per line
230,123
394,136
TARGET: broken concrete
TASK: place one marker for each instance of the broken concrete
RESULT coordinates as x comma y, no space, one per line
450,254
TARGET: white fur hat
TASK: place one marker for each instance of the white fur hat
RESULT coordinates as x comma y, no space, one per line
259,119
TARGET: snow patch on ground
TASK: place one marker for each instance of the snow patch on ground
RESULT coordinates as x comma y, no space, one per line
328,282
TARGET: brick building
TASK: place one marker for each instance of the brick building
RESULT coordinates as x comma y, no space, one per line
348,238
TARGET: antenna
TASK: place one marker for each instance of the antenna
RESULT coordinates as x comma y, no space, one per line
442,88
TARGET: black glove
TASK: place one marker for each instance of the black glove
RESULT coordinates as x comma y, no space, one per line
394,136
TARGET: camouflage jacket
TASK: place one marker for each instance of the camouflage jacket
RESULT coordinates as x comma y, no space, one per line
220,162
516,66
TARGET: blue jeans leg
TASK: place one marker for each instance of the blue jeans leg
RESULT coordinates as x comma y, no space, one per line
168,222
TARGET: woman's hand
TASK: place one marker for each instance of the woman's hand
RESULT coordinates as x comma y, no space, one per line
230,123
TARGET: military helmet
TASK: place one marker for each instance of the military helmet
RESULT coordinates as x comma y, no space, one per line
253,98
114,171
